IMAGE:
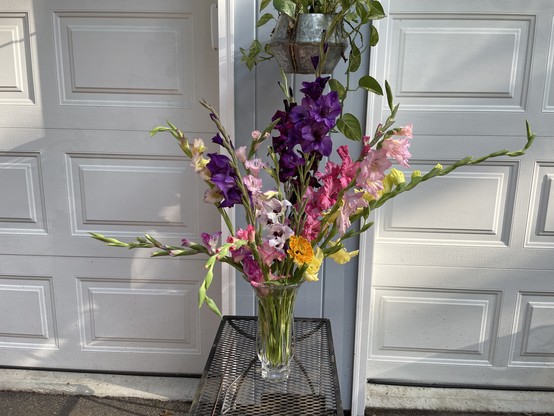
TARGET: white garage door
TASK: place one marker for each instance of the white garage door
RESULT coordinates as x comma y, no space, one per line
81,84
462,281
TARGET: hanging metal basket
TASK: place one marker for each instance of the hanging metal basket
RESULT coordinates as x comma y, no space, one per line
295,44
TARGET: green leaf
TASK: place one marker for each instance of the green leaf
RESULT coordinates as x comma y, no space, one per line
287,7
361,11
338,87
349,125
389,95
255,48
264,19
376,12
211,304
264,4
374,37
355,59
370,84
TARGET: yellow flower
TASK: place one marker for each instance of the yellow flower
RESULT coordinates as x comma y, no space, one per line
300,250
396,176
310,275
368,197
199,163
331,218
392,179
198,147
342,256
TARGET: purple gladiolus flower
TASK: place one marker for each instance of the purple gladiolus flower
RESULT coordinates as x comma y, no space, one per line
314,89
288,165
327,109
316,139
210,241
315,61
223,176
217,139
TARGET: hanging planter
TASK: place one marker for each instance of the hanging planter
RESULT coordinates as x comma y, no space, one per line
300,46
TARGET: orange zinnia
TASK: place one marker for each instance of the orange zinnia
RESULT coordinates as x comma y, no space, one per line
300,249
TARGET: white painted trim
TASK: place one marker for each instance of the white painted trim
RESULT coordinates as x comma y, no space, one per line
361,340
478,401
227,116
365,265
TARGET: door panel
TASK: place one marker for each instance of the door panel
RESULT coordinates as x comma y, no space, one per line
80,88
462,280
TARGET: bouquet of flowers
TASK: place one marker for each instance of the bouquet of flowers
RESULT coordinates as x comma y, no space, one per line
308,209
300,207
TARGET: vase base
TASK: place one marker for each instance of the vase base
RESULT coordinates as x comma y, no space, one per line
275,374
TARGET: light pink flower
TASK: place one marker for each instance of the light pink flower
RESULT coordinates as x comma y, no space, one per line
253,184
372,171
241,154
405,131
255,166
352,202
398,148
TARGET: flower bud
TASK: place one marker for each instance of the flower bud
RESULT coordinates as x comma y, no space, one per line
397,176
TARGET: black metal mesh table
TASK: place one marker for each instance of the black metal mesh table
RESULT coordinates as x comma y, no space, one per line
232,384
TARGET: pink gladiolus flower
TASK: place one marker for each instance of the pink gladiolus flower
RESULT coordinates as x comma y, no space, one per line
365,148
270,254
398,148
256,135
249,234
312,226
348,169
253,271
240,254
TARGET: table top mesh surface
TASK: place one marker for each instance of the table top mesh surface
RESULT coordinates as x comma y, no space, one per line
232,383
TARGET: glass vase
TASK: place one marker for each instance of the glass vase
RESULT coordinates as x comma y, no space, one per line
275,336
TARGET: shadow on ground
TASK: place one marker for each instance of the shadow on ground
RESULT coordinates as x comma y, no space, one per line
34,404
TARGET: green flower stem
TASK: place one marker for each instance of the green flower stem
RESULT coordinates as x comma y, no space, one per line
439,171
275,324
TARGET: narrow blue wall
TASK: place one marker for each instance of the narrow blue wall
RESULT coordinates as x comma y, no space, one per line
257,97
